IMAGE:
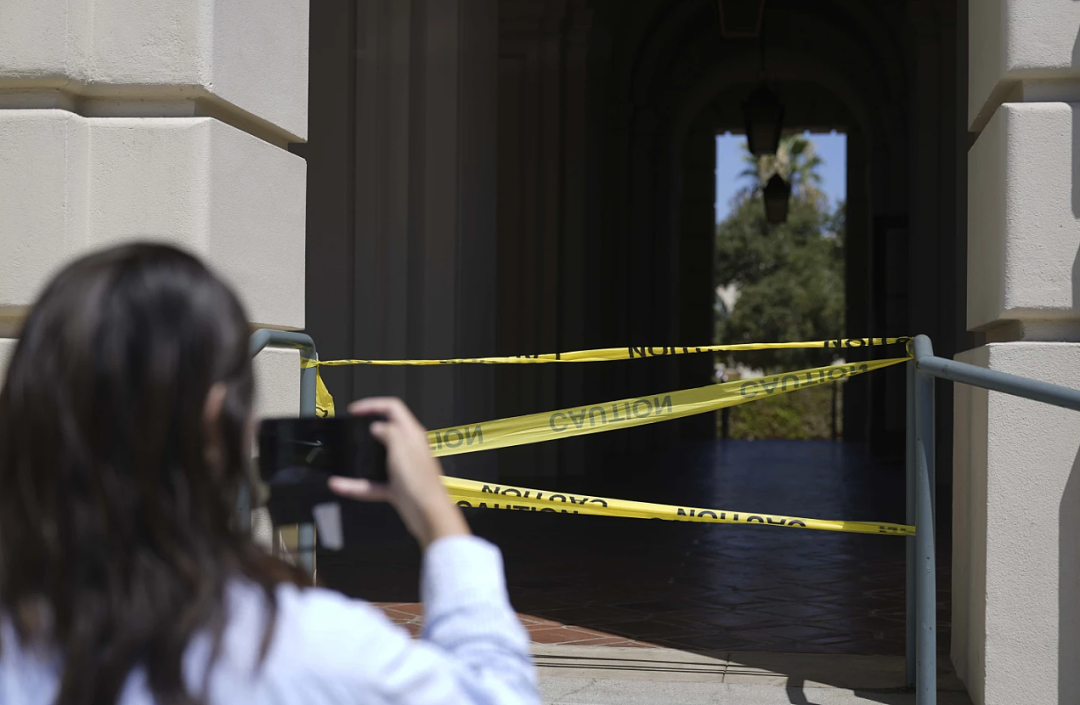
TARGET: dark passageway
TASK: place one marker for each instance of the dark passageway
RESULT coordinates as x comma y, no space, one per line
506,177
694,586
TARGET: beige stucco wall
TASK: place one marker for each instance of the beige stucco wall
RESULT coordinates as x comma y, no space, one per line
277,383
1016,526
155,119
167,120
1023,231
1016,531
7,348
969,529
1010,41
244,59
71,184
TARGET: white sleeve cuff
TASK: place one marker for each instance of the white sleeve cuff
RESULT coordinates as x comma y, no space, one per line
461,570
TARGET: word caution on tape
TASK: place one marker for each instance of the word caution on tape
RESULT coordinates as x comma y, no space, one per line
636,411
628,353
627,413
484,495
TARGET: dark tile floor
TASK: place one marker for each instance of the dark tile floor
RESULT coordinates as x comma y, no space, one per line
629,582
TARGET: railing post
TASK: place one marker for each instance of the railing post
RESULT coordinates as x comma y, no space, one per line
305,534
243,507
308,377
909,519
927,368
926,569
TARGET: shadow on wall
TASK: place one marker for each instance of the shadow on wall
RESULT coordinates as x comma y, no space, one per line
1069,588
1076,144
1076,178
1069,511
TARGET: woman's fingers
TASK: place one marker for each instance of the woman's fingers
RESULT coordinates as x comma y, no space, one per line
390,407
417,494
380,430
362,490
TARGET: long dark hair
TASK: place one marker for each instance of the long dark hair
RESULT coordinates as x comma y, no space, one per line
117,489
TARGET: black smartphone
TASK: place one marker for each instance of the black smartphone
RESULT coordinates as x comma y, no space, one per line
297,456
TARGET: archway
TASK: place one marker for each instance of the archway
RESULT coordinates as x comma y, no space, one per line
594,230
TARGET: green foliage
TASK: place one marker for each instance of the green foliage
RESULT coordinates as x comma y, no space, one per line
802,415
790,277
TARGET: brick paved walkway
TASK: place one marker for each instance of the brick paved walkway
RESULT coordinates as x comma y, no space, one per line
626,582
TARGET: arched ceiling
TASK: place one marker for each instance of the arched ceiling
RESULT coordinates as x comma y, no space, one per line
835,63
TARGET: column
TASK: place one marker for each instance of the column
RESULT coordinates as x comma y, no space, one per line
1016,555
403,172
697,244
531,120
579,222
857,259
166,120
931,254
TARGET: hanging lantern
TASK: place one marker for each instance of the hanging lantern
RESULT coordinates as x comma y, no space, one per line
777,196
764,117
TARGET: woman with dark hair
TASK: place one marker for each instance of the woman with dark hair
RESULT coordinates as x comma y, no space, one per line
125,429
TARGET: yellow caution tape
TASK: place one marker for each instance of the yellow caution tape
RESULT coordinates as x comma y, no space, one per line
636,411
628,413
629,353
324,403
470,493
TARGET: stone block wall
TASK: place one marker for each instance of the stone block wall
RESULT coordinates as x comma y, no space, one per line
1016,552
167,120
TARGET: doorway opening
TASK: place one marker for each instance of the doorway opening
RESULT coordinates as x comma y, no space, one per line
779,277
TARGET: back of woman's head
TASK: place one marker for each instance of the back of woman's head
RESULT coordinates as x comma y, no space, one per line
123,444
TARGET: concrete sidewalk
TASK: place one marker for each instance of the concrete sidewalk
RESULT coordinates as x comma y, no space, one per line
600,675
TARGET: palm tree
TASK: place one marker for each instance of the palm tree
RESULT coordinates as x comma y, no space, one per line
795,160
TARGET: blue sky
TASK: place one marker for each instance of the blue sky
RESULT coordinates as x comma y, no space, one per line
832,148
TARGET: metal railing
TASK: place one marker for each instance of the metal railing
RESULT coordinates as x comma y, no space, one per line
261,339
921,593
921,568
